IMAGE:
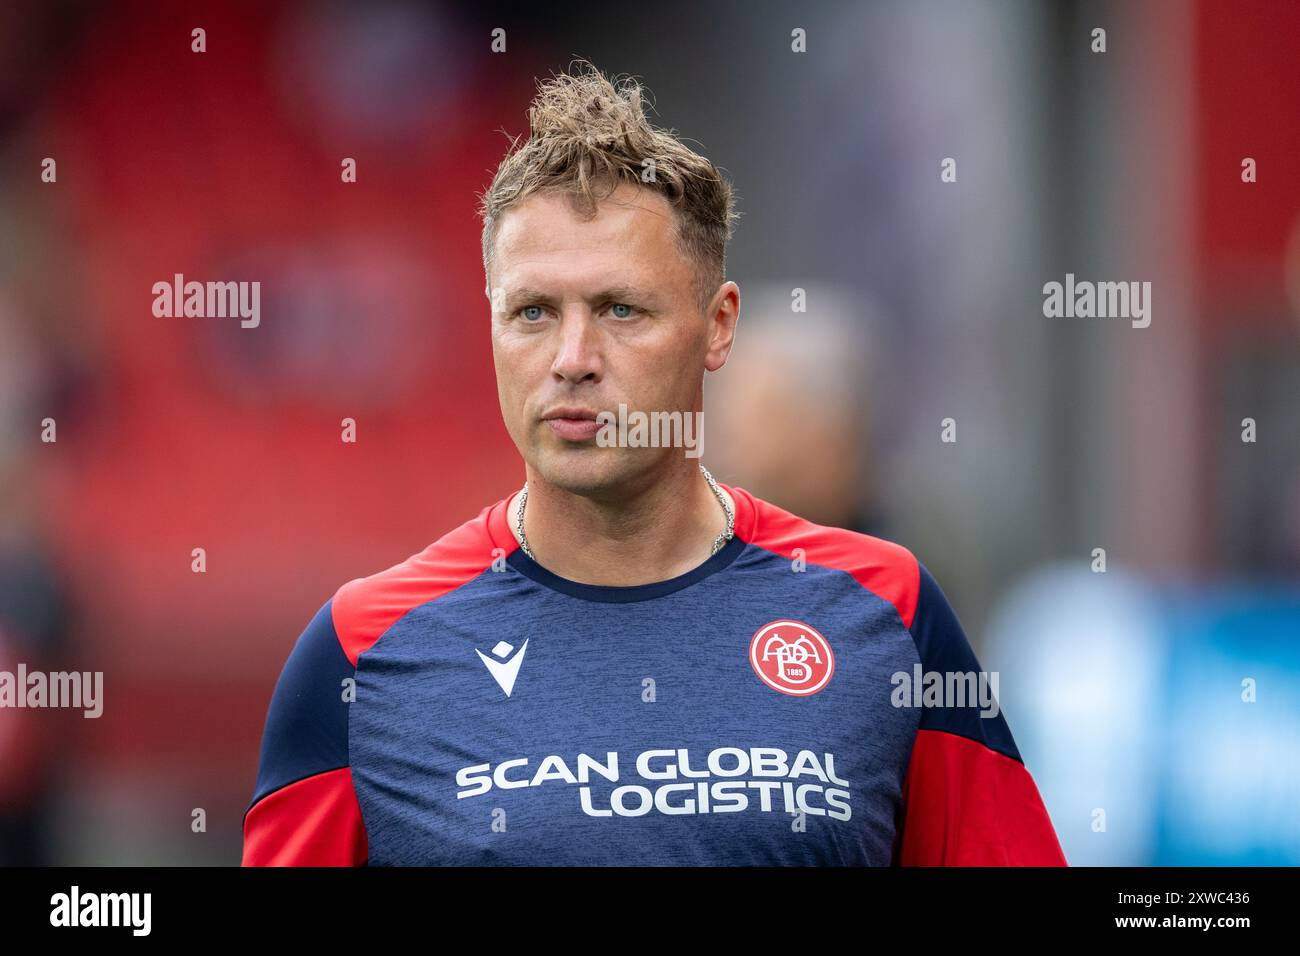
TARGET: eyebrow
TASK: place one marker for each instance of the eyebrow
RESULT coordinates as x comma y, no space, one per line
519,298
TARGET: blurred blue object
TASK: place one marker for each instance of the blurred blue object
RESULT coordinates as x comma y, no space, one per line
1231,732
1161,723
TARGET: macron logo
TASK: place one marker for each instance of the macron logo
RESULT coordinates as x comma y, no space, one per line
504,671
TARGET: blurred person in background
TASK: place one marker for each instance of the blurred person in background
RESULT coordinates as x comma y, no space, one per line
792,420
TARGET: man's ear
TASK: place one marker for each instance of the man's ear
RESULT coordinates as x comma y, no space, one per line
722,315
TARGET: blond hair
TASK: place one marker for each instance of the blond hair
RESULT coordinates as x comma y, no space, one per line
587,132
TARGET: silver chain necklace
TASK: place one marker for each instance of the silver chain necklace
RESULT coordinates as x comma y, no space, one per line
718,542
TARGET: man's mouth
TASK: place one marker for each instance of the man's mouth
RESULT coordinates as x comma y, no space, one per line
572,422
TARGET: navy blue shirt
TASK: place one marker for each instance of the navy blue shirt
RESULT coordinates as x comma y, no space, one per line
469,707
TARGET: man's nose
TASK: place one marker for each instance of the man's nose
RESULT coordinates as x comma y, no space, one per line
578,352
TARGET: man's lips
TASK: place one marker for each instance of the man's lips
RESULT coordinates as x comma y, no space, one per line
574,429
572,423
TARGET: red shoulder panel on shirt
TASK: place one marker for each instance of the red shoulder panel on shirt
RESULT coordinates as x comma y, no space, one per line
365,608
315,821
967,805
884,568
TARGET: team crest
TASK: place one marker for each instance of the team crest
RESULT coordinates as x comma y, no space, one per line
791,657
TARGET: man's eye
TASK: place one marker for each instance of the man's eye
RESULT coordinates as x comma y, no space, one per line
623,305
528,309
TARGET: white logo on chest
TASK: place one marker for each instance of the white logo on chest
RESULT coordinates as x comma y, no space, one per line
504,671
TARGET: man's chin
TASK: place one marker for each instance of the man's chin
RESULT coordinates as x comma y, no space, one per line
588,470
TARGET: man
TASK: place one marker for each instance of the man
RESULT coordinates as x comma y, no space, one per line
626,662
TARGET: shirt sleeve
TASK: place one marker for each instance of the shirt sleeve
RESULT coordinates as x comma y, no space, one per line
967,798
304,810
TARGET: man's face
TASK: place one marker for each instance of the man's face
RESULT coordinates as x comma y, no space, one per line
591,314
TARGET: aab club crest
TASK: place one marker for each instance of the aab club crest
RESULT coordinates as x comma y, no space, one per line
791,657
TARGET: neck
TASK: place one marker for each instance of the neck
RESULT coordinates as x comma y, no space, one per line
663,527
